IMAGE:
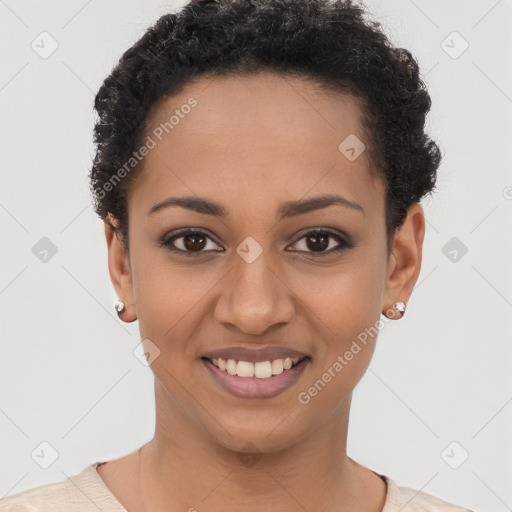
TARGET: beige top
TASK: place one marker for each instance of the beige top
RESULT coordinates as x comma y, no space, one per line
86,492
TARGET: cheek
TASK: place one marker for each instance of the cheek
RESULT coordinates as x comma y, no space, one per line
347,312
171,303
344,304
345,298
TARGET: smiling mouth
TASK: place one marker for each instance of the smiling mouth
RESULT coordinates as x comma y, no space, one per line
248,380
257,370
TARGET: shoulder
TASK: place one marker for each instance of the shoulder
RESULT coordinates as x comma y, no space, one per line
36,499
406,499
83,492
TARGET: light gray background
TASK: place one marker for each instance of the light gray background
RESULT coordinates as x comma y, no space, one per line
441,374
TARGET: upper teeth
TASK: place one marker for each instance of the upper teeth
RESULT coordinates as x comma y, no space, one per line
260,369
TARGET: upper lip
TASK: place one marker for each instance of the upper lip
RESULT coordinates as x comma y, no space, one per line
252,355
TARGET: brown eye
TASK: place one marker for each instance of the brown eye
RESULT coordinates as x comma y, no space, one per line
189,241
317,242
194,242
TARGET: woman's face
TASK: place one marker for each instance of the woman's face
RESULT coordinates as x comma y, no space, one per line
254,277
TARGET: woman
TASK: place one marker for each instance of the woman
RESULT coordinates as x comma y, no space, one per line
259,170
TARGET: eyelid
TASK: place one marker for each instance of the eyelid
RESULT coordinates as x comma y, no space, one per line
330,231
166,240
343,240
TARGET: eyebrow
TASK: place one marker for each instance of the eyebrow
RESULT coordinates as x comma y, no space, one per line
287,209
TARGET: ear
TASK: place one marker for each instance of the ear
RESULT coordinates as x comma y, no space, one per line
405,260
120,271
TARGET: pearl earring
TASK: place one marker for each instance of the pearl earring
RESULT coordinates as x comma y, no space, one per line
119,306
399,306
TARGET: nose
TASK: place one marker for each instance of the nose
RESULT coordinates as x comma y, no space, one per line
254,298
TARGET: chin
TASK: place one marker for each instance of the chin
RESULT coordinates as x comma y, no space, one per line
267,434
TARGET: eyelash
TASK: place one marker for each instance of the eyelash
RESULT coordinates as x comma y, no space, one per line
166,242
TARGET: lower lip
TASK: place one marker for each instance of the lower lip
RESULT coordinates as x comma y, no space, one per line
252,387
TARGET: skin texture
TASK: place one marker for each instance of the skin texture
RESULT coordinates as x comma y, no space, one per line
250,144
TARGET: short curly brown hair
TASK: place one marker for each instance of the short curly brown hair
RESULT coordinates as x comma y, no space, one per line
330,41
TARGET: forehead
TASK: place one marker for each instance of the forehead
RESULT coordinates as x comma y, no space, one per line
260,135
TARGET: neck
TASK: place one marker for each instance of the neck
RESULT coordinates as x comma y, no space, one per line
184,466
